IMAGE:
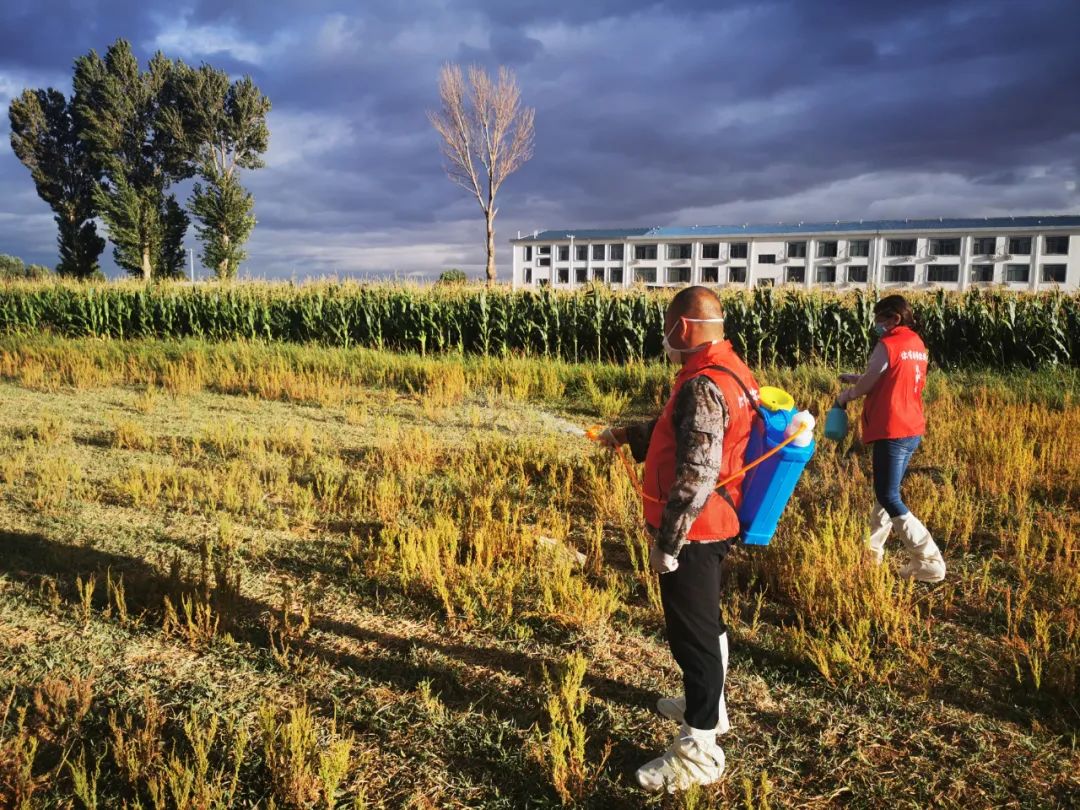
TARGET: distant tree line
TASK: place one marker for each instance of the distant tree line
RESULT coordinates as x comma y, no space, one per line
124,138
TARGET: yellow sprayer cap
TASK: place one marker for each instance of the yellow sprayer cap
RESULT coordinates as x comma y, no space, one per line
776,399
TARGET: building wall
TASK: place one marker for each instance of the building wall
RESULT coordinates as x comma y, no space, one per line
965,268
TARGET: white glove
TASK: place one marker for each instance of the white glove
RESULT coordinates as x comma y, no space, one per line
660,561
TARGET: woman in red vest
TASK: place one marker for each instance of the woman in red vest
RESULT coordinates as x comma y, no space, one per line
699,438
893,424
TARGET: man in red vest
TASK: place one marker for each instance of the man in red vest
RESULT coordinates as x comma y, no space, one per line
699,438
893,425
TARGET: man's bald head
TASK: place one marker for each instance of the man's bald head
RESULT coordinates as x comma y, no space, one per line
694,302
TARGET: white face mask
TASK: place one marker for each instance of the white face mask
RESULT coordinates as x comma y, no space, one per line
675,355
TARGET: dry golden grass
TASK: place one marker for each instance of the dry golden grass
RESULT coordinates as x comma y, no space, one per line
318,578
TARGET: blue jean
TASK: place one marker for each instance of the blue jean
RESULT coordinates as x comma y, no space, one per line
891,458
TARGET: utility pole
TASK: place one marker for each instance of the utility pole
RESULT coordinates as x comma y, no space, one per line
191,255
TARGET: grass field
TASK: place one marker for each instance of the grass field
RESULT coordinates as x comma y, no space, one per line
238,575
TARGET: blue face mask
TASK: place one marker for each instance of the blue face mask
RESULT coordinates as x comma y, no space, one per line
880,330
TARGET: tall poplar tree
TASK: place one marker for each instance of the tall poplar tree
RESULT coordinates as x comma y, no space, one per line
121,111
223,126
45,137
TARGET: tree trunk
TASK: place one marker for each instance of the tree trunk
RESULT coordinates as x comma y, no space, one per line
490,217
223,265
146,262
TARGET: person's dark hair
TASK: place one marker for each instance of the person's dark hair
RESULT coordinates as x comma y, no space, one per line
895,305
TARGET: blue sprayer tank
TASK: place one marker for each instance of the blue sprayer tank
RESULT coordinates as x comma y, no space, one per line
767,487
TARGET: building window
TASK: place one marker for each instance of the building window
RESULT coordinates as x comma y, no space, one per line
598,252
544,250
615,274
710,250
737,250
1056,246
710,275
900,273
616,253
645,275
859,247
826,275
564,275
598,274
856,274
528,275
1053,273
827,250
582,253
737,275
564,253
943,273
678,275
795,275
1019,244
528,253
944,247
767,258
581,275
543,261
542,282
647,252
900,247
982,274
766,282
1017,273
985,246
679,251
796,250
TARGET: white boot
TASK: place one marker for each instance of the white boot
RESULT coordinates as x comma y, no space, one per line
880,529
675,708
925,563
693,758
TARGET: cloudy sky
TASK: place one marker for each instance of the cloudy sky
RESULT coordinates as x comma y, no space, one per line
685,112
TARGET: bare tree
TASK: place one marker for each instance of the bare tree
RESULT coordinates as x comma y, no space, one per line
486,136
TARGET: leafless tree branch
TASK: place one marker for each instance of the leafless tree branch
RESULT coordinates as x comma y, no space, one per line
485,134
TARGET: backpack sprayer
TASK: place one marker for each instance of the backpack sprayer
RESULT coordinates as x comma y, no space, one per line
780,446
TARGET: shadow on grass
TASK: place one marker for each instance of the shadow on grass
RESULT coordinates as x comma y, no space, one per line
393,662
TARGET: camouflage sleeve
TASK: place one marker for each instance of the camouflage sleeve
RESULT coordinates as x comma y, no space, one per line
637,437
700,418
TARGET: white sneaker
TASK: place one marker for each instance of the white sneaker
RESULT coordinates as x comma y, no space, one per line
693,758
925,563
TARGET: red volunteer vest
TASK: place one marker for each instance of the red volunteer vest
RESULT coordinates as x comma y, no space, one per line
718,519
893,408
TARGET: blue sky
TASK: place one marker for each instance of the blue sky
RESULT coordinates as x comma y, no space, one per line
646,114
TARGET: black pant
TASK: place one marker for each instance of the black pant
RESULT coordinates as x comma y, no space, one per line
691,598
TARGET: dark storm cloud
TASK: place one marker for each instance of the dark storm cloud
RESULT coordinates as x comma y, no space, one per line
646,112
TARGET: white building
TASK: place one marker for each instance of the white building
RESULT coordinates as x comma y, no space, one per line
1018,253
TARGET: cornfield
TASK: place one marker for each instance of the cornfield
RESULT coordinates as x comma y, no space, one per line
778,327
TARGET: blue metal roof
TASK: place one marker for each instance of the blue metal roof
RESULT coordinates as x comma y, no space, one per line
594,233
792,228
